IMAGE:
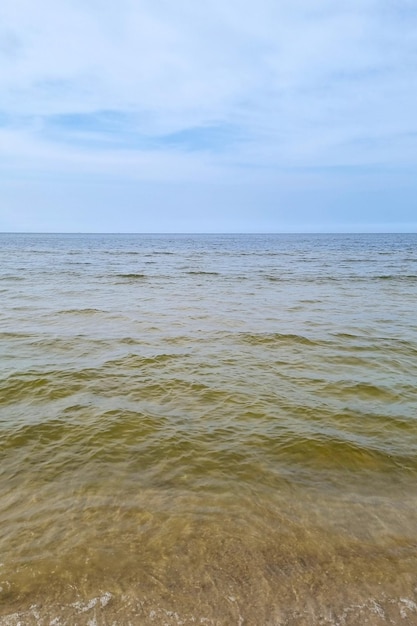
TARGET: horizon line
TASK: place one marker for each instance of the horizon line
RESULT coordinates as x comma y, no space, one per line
291,232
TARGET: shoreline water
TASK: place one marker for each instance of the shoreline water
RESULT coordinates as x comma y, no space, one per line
209,430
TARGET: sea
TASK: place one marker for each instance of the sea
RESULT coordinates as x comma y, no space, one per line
215,430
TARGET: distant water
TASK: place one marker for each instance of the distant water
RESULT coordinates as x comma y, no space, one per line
216,430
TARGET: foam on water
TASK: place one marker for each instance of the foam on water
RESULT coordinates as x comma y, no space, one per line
106,609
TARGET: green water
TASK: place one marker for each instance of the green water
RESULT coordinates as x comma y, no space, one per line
208,430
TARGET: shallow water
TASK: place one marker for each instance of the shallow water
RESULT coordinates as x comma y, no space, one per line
208,429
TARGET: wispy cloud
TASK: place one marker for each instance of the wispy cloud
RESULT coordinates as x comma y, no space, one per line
158,89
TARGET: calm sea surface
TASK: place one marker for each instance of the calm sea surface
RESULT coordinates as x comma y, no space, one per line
216,430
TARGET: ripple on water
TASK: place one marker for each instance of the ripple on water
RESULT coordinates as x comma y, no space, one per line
231,440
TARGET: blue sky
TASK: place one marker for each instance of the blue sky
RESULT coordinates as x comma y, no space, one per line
156,116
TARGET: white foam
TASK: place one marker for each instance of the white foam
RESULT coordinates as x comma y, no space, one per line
83,607
377,609
408,607
105,598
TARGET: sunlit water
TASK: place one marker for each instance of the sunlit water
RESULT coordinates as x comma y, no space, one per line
216,430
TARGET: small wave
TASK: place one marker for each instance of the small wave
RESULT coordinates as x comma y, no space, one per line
79,312
397,277
277,338
362,390
136,360
130,341
9,335
274,279
365,343
132,276
43,387
196,273
342,451
346,336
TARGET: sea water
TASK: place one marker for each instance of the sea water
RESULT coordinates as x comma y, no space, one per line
208,429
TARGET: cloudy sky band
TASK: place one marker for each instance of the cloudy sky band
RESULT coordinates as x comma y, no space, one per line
308,104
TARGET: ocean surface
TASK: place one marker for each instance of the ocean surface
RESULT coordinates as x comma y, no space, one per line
208,429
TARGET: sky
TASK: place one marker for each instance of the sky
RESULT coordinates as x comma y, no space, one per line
237,116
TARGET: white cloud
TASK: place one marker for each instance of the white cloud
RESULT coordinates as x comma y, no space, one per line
307,84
